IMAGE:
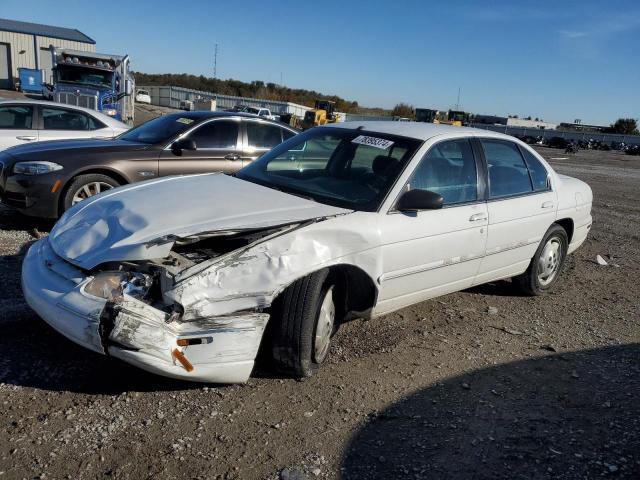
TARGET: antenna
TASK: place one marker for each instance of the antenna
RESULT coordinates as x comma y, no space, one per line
458,102
215,62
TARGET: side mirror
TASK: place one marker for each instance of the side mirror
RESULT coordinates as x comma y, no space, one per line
183,144
415,200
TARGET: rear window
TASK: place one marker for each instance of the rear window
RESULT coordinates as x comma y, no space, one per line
539,174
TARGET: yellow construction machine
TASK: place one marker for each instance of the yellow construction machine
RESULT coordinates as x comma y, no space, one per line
323,113
451,117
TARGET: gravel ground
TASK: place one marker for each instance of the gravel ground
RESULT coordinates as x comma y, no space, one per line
478,384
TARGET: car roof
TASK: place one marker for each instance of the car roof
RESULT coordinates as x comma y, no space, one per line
99,115
204,114
419,130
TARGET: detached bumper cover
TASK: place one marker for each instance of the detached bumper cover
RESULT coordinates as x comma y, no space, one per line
219,350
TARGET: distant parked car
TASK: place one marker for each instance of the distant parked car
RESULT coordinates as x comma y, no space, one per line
632,150
261,112
46,179
557,142
28,121
187,105
143,97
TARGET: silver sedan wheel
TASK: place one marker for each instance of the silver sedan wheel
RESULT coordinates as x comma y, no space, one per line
89,190
324,327
549,261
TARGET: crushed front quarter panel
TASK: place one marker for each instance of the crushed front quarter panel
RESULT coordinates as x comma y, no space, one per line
250,278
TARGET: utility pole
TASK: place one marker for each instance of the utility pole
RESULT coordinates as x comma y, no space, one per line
215,62
458,102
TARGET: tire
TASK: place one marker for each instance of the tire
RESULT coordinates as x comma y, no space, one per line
547,263
86,183
300,325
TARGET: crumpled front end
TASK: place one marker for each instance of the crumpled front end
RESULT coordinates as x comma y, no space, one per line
120,313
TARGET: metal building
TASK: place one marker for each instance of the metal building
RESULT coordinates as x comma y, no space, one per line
26,45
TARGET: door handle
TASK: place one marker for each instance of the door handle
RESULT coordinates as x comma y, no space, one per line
478,217
547,205
232,156
27,138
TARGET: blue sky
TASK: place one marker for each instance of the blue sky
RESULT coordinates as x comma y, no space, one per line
557,60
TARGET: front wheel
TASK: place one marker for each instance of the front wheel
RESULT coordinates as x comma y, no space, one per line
302,322
85,186
546,264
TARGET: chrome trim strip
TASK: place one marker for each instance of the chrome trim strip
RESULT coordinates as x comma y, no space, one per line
452,261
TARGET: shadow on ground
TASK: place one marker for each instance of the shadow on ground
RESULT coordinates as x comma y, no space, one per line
575,415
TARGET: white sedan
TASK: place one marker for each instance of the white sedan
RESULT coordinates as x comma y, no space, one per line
26,121
142,96
343,221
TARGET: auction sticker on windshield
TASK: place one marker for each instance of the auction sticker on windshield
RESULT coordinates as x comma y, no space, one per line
375,142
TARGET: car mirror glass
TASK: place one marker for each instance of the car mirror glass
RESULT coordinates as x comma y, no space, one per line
418,199
184,144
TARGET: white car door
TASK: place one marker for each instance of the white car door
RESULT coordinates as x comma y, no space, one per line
433,252
521,207
17,125
62,123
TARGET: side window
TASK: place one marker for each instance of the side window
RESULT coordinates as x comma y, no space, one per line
263,135
216,134
539,174
16,117
448,168
63,119
287,134
508,174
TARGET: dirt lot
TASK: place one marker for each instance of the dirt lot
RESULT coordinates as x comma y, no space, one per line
478,384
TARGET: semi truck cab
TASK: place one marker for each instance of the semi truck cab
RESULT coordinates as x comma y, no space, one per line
93,80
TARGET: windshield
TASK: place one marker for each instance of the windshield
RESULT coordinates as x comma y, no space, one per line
345,168
158,130
84,76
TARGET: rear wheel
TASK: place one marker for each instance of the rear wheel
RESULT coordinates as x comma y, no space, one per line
546,264
302,322
85,186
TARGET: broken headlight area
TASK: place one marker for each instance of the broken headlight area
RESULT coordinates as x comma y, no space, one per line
112,285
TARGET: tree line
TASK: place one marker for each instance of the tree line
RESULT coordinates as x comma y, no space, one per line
273,91
255,89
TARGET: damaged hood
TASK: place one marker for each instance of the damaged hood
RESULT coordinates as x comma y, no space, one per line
141,221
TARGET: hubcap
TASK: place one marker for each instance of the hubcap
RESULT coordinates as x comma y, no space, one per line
324,327
549,261
89,190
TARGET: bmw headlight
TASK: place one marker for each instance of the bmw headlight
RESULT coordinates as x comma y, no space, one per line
36,168
112,285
